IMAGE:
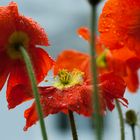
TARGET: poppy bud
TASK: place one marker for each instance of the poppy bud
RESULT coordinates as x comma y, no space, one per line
93,2
131,117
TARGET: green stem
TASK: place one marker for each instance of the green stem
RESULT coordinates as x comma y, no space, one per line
96,105
73,126
121,120
133,132
35,90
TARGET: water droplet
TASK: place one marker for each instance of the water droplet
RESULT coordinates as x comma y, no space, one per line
78,106
50,97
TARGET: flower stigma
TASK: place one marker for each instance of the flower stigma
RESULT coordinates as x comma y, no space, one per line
101,59
66,79
16,40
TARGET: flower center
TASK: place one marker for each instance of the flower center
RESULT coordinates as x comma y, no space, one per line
16,40
101,59
66,79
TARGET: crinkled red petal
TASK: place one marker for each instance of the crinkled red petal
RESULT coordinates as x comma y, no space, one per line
18,84
112,87
109,103
42,62
34,31
51,101
77,98
112,84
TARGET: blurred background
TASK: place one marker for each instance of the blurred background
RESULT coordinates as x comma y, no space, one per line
60,19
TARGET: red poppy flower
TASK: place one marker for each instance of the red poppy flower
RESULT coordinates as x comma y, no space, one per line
72,89
122,62
126,64
119,24
17,30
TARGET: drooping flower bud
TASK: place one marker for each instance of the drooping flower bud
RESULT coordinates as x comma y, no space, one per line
131,117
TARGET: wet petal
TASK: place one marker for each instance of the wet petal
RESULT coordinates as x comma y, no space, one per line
112,87
18,79
36,34
51,102
42,62
120,28
7,22
79,99
84,33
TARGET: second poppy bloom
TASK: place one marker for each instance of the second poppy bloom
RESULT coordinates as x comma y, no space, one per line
123,62
72,88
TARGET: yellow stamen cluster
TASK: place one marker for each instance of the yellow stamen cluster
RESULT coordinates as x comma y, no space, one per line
66,79
101,59
64,76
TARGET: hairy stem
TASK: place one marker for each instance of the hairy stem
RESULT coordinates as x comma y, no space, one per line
121,120
32,78
133,132
97,117
73,126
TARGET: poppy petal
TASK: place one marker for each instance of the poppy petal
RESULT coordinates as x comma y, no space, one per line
112,87
112,84
51,102
42,62
73,59
36,34
3,77
120,28
18,78
31,116
132,81
18,95
109,32
7,22
79,99
109,103
5,66
84,33
123,54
